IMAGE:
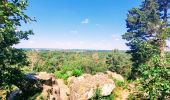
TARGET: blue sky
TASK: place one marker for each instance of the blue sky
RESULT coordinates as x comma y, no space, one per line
78,24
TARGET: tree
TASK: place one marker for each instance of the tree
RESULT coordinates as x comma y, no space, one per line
164,29
119,62
12,59
148,30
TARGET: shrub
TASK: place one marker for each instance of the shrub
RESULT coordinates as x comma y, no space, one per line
77,72
97,96
119,83
42,98
60,74
155,79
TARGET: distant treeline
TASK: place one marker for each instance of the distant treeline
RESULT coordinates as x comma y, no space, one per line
67,50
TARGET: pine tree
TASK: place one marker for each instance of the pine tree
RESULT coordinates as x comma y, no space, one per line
164,29
148,30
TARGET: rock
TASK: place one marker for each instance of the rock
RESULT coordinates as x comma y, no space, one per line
46,78
106,89
121,93
115,76
71,79
29,85
53,89
14,94
78,88
84,87
64,90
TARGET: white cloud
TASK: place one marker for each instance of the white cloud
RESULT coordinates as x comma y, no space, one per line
85,21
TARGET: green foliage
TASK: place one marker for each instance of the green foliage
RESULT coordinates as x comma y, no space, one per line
60,74
155,79
33,97
12,59
66,62
119,83
138,22
77,72
131,96
119,62
42,98
45,61
97,96
147,31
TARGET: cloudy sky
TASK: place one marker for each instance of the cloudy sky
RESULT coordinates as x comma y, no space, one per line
78,24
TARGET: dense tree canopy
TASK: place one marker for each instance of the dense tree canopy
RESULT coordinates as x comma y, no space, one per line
119,62
12,59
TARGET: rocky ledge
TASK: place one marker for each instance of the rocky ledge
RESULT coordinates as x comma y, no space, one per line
74,88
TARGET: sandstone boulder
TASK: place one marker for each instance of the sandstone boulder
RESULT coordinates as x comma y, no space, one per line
115,76
45,78
53,89
64,90
84,87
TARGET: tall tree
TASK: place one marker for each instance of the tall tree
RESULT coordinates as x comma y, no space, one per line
164,30
12,59
147,30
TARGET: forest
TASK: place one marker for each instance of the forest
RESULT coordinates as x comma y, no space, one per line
140,73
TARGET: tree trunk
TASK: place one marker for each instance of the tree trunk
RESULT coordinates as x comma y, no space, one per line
162,49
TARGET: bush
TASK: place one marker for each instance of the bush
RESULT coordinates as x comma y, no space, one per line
77,72
60,74
155,79
97,96
119,83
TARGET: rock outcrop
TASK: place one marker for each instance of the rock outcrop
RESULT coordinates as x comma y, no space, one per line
115,76
53,89
84,87
78,88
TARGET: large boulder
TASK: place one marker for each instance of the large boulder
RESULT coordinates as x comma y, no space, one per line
84,87
115,76
45,78
53,89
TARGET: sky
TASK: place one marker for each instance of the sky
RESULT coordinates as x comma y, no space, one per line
77,24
